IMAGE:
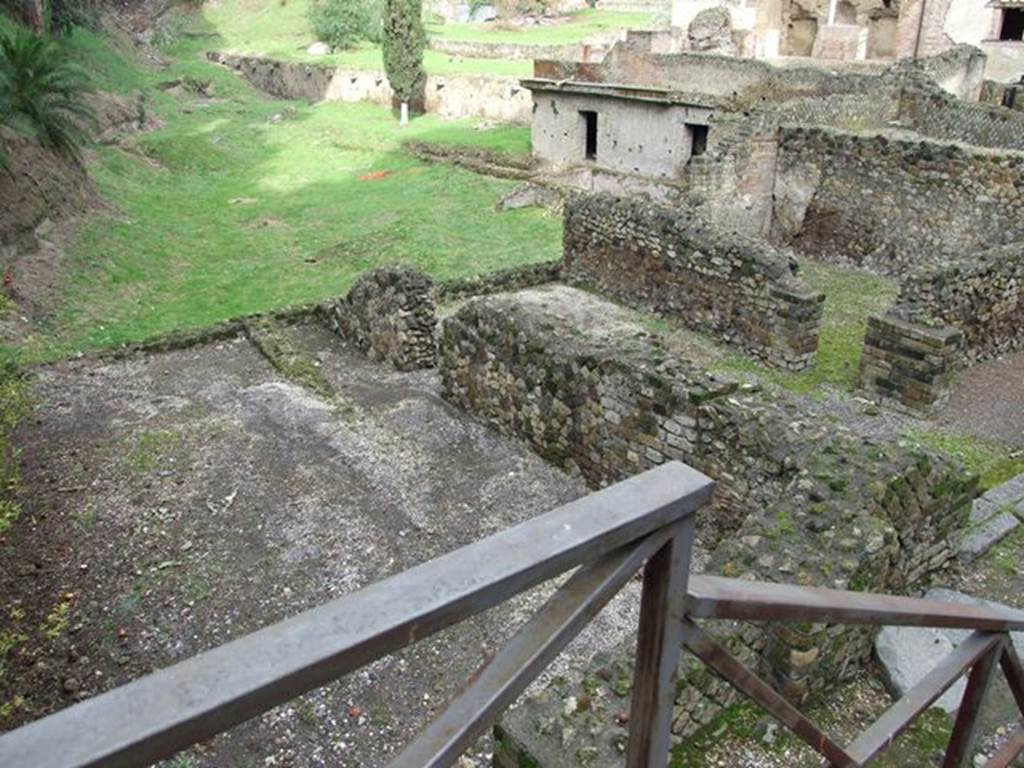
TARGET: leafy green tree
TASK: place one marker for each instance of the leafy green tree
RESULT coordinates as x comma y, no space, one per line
41,91
404,42
343,23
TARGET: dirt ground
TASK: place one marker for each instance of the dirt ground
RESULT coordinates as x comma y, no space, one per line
176,501
988,401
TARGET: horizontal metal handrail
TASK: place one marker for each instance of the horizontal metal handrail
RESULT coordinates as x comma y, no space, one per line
716,597
645,521
154,717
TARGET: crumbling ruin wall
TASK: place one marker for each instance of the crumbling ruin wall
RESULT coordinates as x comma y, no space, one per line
589,389
958,71
945,317
388,315
887,203
936,115
983,297
493,97
709,278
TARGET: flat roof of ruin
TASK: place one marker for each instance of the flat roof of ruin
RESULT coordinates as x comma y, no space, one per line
647,93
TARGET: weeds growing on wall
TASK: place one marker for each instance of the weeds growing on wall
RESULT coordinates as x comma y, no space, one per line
14,405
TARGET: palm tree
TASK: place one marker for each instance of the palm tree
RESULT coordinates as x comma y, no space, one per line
41,91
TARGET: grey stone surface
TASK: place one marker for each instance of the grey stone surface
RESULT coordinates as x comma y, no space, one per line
986,534
907,654
993,516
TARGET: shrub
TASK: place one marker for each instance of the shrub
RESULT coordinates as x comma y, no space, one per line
404,42
343,23
41,91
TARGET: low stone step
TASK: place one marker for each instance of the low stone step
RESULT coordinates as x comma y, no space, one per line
993,516
907,654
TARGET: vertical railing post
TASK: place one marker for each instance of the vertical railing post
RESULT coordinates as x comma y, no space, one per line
662,610
978,682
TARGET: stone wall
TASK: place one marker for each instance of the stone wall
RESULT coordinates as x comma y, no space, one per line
585,386
945,317
493,97
936,115
888,203
388,315
711,279
983,297
592,391
908,363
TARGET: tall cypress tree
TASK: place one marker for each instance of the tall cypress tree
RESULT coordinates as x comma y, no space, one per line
404,42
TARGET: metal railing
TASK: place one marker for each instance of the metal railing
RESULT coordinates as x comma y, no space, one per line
645,522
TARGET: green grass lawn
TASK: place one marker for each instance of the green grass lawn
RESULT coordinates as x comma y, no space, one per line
225,211
270,28
577,26
850,297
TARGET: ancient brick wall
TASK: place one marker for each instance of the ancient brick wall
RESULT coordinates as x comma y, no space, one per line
945,317
591,390
388,315
887,203
709,278
908,362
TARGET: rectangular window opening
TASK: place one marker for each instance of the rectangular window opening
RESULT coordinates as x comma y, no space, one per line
698,139
1013,24
590,129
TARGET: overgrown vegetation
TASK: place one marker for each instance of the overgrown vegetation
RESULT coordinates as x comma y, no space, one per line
988,459
41,90
343,23
404,41
242,204
14,405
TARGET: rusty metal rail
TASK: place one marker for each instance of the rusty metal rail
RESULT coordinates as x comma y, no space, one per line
645,522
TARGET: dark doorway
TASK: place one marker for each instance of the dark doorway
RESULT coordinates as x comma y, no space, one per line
590,129
1013,24
698,139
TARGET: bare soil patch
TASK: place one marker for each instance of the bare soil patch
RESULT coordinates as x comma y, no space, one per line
176,501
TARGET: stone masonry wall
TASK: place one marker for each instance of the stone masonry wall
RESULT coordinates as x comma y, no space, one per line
589,389
908,363
388,315
493,97
944,317
983,297
937,115
518,362
710,278
888,203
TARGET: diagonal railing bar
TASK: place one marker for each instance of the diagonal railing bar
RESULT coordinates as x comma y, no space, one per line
716,597
965,727
1014,672
525,655
154,717
896,719
647,520
716,656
